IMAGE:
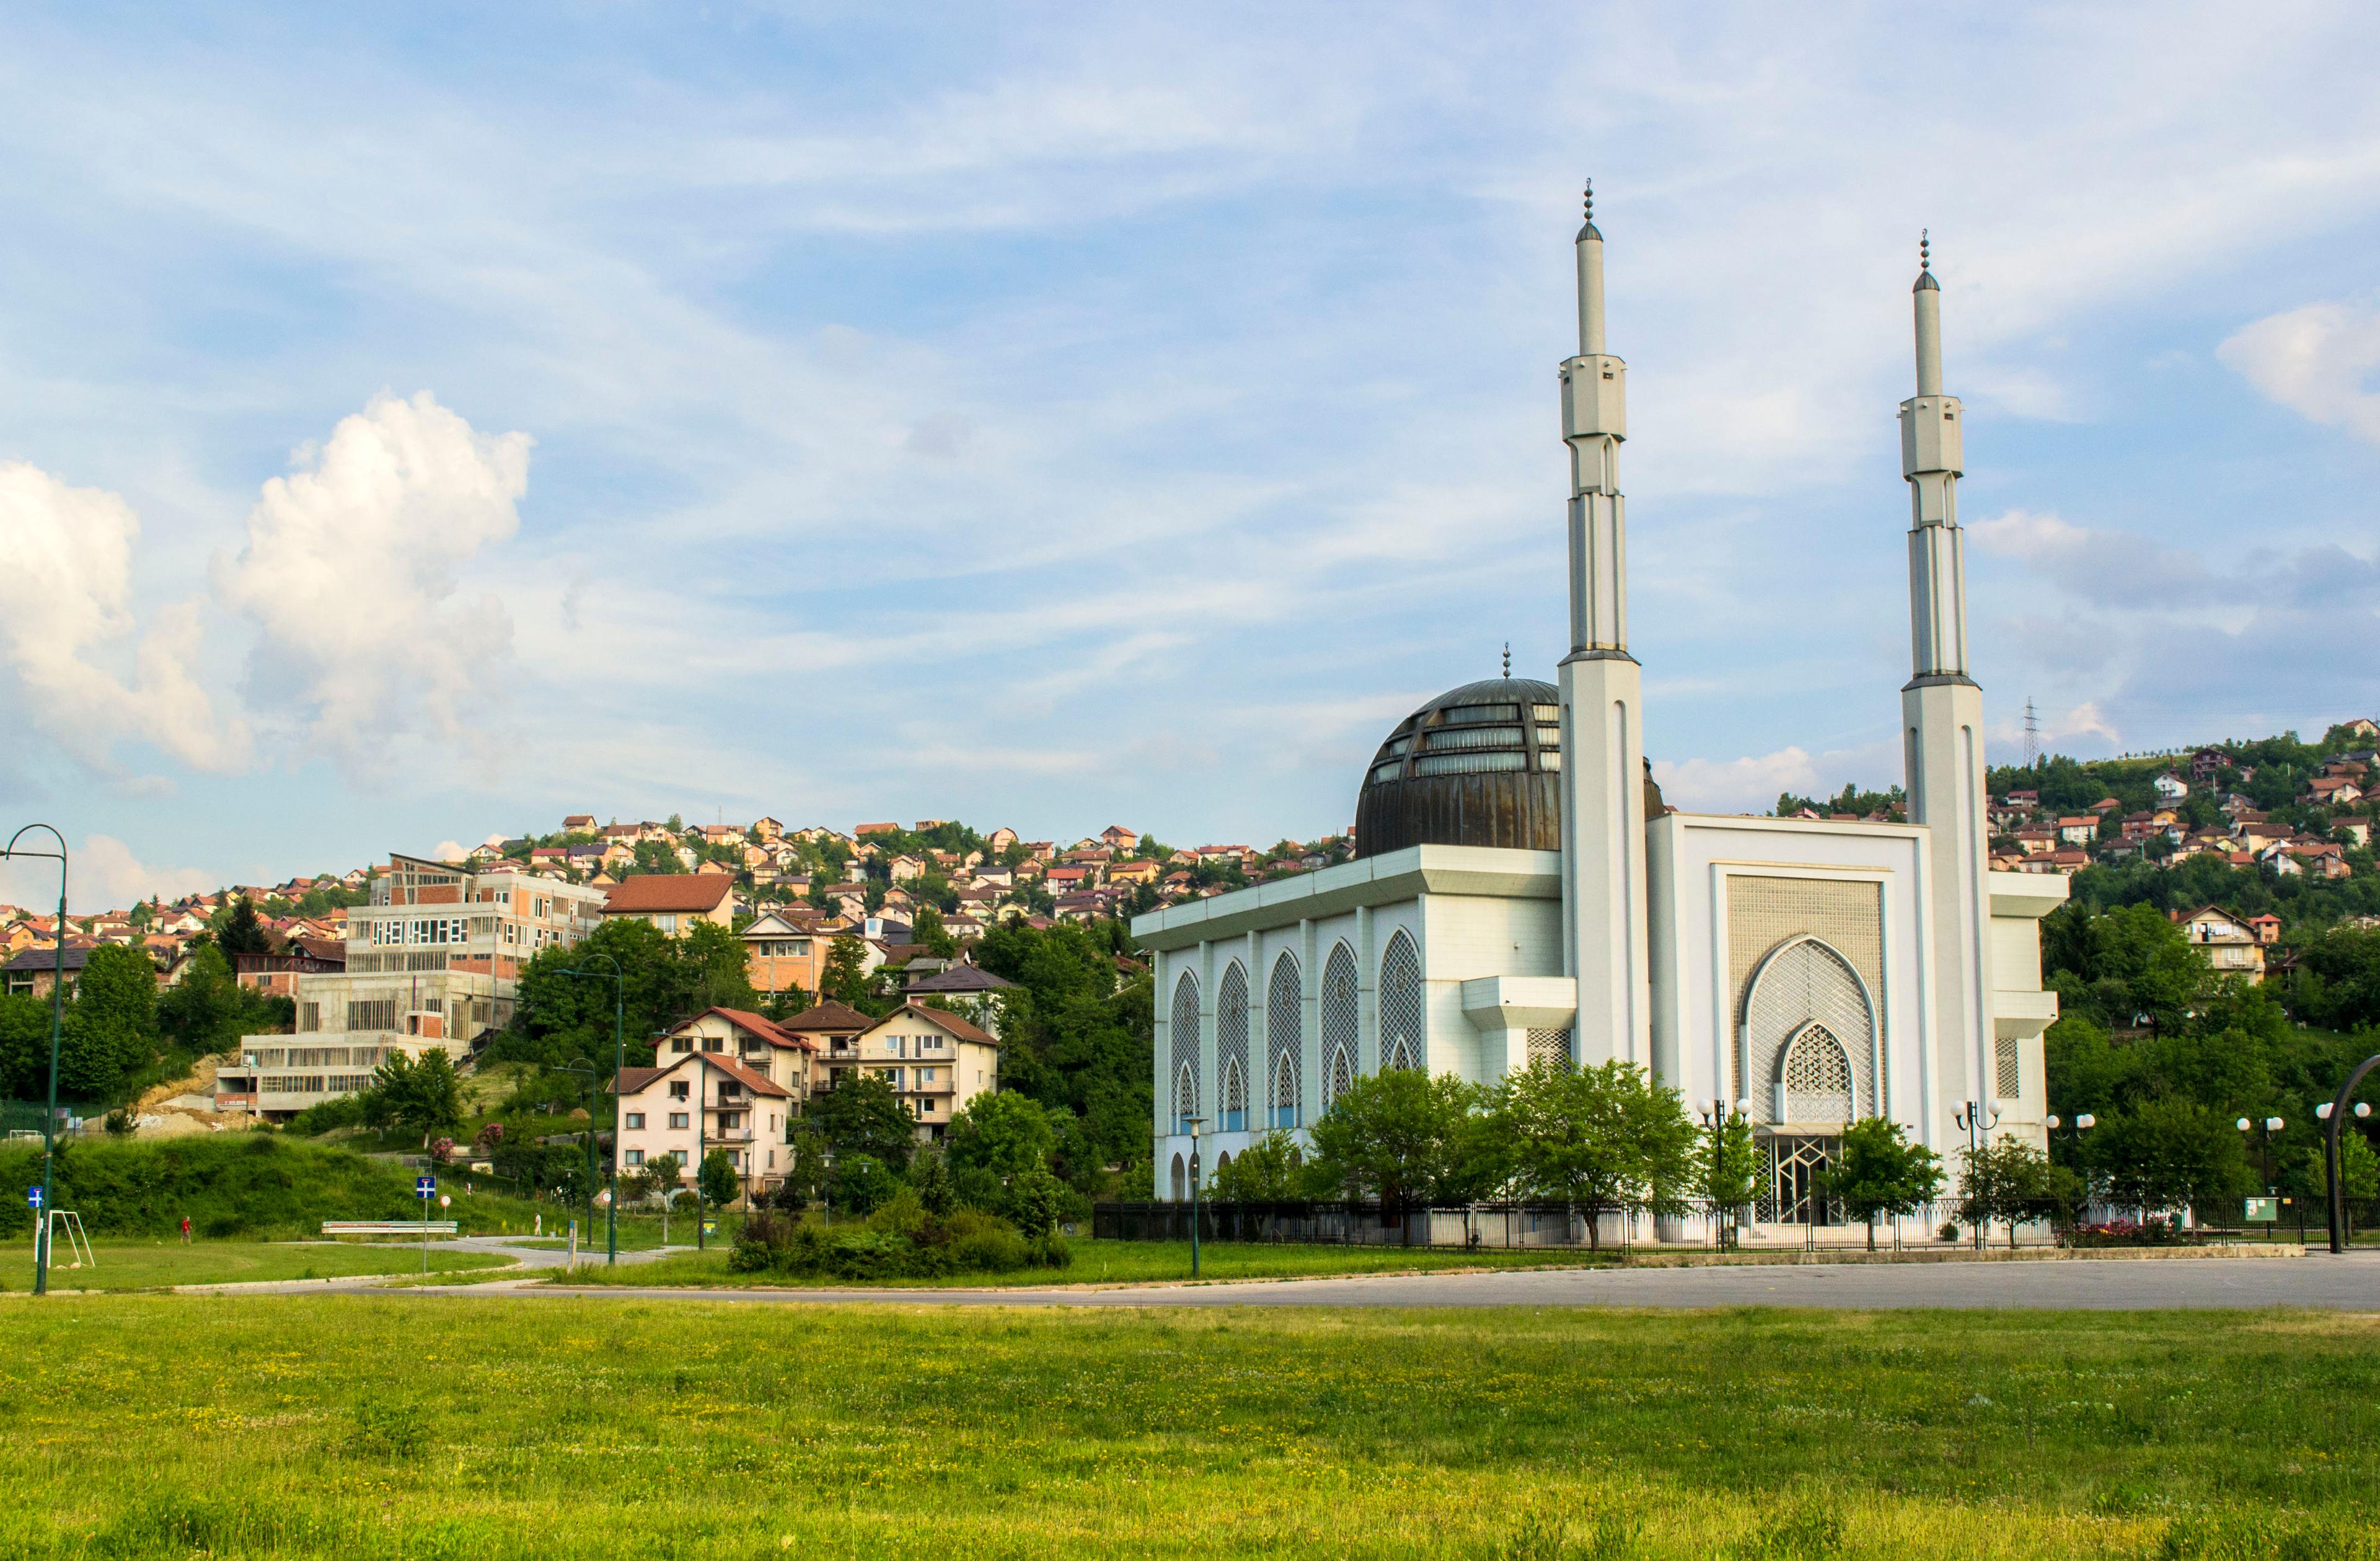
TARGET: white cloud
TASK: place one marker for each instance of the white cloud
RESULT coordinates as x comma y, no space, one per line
350,573
2319,361
2107,568
1736,786
452,850
105,875
65,598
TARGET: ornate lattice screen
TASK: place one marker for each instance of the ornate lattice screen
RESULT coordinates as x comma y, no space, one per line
1818,946
2008,1075
1231,1019
1284,1020
1818,1078
1401,1024
1340,1025
1187,1049
1550,1047
1803,985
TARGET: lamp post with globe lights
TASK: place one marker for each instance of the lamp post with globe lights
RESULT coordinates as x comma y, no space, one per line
2332,1113
1976,1119
1718,1116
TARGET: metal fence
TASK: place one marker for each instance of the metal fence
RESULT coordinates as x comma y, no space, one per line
1692,1226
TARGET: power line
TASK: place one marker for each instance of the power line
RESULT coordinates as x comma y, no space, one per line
2031,734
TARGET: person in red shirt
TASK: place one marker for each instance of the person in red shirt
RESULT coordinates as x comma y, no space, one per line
186,1230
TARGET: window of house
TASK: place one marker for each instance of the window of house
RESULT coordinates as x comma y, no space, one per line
666,924
636,1157
678,1088
714,1044
682,1043
636,1119
677,1118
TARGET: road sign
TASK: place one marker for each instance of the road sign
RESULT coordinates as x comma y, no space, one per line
2266,1209
32,1198
710,1227
424,1186
444,1201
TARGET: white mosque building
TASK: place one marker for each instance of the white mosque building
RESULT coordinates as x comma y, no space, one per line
1520,891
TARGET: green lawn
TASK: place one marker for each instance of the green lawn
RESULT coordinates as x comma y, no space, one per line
1116,1263
143,1264
458,1427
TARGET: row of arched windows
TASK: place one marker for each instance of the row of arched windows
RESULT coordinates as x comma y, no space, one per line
1399,1042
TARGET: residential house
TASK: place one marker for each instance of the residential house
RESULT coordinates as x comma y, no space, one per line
783,954
862,831
905,868
674,902
834,1029
1120,838
276,975
2170,788
966,989
762,1045
1142,870
2206,764
767,829
32,971
2080,830
698,1102
995,875
2267,928
2230,943
2036,840
2024,801
935,1060
1071,877
2334,791
577,823
1000,840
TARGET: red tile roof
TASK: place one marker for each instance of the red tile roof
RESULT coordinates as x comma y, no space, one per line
669,891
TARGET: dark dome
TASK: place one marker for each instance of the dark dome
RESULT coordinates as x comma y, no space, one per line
1479,766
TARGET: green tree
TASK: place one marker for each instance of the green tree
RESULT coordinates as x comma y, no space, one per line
663,1172
926,928
2170,1153
664,980
1727,1171
930,1175
863,1115
863,1184
422,1094
1878,1171
719,1182
1395,1135
207,1011
997,1138
1269,1171
844,979
1076,1034
111,1031
241,932
1604,1139
24,1047
2005,1180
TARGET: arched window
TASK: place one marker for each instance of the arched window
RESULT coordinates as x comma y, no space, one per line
1339,1026
1231,1046
1400,1032
1816,1076
1338,1074
1803,984
1187,1057
1181,1181
1284,1027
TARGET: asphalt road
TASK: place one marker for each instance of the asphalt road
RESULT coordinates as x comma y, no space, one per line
2349,1282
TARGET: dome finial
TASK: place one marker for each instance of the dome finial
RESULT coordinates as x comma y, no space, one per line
1508,658
1590,199
1924,249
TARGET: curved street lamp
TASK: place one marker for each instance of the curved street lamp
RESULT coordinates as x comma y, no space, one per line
619,1064
57,1019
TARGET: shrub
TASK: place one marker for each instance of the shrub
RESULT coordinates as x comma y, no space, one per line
902,1240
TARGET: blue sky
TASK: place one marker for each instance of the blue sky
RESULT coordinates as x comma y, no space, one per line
418,424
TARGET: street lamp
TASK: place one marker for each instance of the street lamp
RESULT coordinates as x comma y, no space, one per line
1193,1124
1976,1117
57,1019
2331,1113
619,1064
1716,1114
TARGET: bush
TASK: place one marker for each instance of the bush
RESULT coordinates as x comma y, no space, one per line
902,1240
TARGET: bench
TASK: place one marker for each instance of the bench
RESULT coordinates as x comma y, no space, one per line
388,1228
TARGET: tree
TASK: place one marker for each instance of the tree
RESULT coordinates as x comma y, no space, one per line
1076,1034
1605,1138
422,1094
662,1174
111,1031
2006,1179
1267,1171
664,980
930,1175
241,933
1727,1171
2170,1153
719,1180
862,1115
844,980
863,1184
1395,1135
1878,1171
996,1139
928,928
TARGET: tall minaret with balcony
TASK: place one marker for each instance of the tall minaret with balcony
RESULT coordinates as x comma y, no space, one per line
1942,712
1602,700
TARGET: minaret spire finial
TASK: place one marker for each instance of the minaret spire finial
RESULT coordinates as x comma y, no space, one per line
1924,249
1590,199
1508,658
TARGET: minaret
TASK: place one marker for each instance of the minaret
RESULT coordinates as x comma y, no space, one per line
1942,711
1602,700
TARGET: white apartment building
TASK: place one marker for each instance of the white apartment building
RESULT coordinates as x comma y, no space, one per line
434,961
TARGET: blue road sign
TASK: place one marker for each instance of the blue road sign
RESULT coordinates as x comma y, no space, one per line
425,1186
32,1198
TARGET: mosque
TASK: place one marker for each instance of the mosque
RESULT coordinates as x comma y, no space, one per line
1520,891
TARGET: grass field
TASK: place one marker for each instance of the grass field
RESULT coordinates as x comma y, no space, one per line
135,1266
150,1426
1119,1263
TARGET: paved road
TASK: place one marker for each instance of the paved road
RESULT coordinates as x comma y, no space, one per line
2350,1282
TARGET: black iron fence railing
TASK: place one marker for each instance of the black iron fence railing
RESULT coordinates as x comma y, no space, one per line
1690,1223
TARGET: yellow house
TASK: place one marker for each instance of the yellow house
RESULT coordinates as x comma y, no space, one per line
935,1061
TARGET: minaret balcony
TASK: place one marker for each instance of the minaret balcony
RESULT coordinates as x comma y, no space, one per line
1930,435
1595,397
